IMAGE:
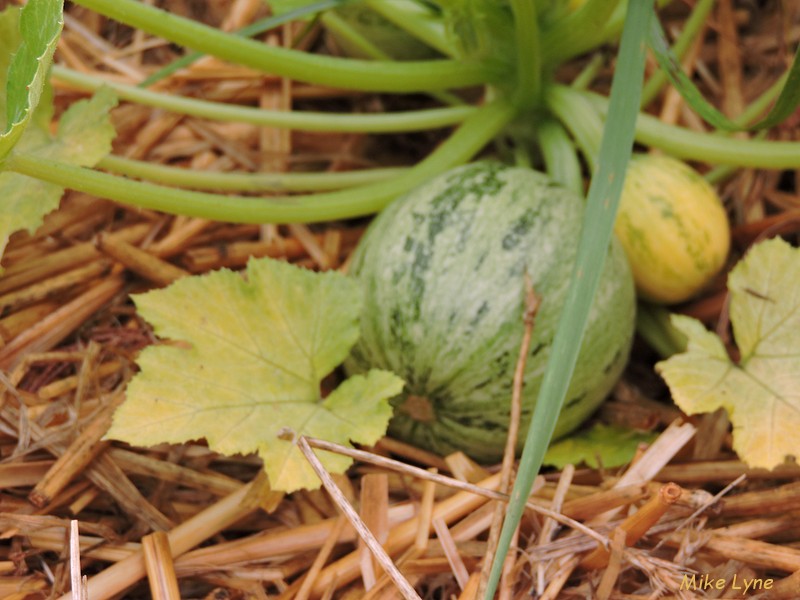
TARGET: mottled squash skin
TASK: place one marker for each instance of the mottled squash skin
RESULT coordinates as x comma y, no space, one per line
443,277
673,228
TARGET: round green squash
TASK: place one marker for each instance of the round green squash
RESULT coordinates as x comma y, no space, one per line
443,272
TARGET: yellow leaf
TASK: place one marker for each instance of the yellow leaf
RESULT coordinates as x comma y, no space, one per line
259,348
762,392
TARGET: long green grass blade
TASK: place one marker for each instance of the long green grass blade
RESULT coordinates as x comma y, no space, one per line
604,193
784,106
692,27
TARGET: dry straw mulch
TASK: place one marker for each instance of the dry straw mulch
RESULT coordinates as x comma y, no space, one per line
181,521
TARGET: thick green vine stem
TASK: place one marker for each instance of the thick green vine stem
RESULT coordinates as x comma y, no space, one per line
654,326
560,159
416,120
712,148
680,142
248,31
343,73
341,28
245,182
529,63
580,118
478,130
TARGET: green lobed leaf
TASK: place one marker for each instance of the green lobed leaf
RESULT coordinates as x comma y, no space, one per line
40,24
784,106
606,445
762,391
258,349
84,137
10,40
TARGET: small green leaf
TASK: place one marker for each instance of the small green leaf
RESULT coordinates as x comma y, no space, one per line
40,24
259,348
605,445
762,391
84,137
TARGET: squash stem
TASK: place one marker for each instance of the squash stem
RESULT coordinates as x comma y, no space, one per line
560,159
251,30
654,326
417,20
335,24
415,120
529,62
243,181
712,148
342,73
463,144
580,118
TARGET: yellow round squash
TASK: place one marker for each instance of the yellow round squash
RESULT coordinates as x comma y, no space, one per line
673,228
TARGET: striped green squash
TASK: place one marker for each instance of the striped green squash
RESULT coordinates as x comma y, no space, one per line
443,277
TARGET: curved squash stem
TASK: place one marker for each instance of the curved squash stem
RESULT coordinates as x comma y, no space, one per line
532,302
414,120
476,131
343,73
528,87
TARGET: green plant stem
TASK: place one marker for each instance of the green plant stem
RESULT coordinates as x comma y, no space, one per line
749,116
418,21
691,29
584,79
654,326
251,30
343,73
416,120
341,28
462,145
577,32
580,117
560,159
705,147
598,224
245,182
529,54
